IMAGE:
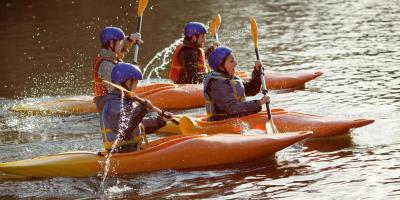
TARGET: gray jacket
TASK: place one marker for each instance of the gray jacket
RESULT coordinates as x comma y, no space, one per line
107,66
134,114
221,94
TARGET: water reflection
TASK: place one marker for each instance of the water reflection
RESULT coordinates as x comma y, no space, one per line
48,47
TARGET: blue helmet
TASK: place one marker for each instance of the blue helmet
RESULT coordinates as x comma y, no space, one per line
217,57
125,71
111,33
193,28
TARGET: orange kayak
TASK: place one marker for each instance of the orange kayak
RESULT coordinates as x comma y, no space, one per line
174,152
287,80
285,122
162,95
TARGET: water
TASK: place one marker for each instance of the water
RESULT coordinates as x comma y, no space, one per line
49,46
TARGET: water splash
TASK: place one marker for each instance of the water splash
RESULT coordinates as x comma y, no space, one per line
163,57
123,125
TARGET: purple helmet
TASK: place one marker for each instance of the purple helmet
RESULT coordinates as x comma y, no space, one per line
193,28
111,33
125,71
217,57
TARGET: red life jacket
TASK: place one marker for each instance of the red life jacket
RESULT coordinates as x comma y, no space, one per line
175,67
99,89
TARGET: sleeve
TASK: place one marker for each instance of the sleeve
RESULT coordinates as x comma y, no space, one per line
222,95
252,87
136,118
105,70
153,122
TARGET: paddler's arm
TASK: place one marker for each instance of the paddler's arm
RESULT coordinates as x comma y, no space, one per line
128,42
114,115
105,70
227,102
153,122
211,49
136,118
252,87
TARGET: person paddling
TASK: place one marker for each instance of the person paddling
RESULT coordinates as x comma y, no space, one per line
188,64
225,94
124,118
114,45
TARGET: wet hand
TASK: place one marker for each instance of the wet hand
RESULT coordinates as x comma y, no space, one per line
135,38
264,100
257,65
216,45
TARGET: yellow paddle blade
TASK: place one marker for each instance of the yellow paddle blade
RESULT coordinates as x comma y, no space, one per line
141,7
212,28
254,31
188,126
217,22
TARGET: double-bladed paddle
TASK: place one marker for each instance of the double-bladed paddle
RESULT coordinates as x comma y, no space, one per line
138,99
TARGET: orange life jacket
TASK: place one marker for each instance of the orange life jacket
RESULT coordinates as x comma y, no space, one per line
99,89
175,67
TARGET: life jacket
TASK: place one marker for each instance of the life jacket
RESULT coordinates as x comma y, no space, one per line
175,68
109,136
99,89
237,89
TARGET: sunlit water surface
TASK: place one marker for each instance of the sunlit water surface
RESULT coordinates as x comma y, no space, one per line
48,48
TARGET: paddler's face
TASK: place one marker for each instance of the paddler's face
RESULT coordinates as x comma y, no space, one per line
201,39
118,47
230,65
121,54
131,84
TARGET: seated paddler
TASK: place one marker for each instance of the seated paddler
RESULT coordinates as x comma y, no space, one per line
225,94
124,119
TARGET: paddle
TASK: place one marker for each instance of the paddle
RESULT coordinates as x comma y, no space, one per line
141,6
188,126
254,33
140,100
214,26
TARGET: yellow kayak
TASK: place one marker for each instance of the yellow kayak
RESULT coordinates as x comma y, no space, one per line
174,152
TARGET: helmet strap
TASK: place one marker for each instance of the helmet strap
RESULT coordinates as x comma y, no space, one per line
112,45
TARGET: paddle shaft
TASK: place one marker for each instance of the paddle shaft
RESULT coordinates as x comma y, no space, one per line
263,84
216,36
143,102
138,99
138,30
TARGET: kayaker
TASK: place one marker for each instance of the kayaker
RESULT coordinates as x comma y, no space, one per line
114,45
126,118
188,64
225,94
